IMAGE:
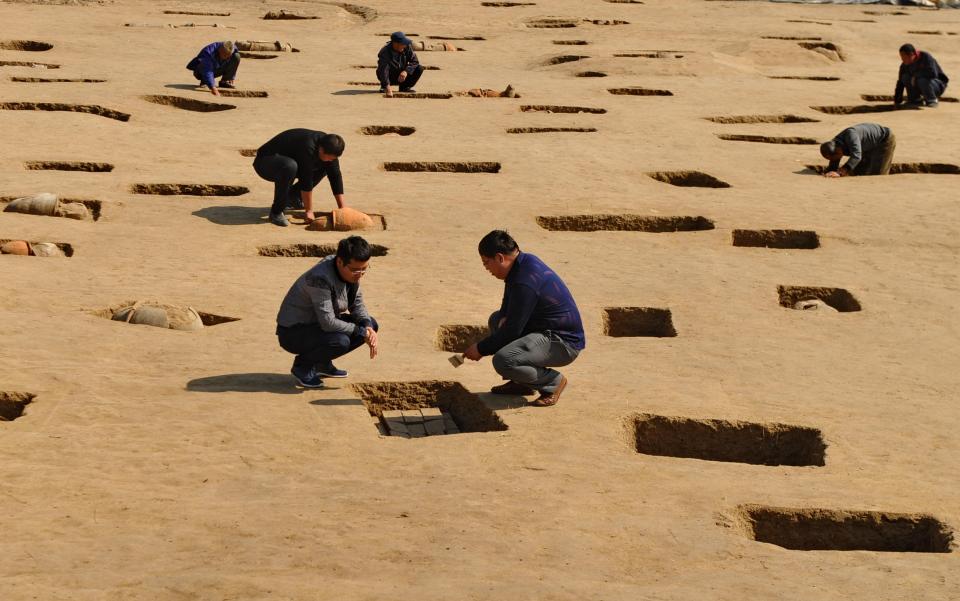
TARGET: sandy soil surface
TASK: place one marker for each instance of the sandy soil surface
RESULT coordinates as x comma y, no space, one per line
158,464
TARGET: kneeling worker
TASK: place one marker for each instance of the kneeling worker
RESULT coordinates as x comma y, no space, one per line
219,59
870,147
323,315
307,156
921,76
537,327
397,64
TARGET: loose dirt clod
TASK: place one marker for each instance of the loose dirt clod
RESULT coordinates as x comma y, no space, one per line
623,223
189,189
55,80
188,104
28,64
565,58
90,109
68,166
623,322
815,529
827,49
383,130
767,139
688,179
543,130
634,91
311,250
25,45
838,298
466,409
591,74
798,239
12,404
728,441
456,338
762,119
549,108
443,167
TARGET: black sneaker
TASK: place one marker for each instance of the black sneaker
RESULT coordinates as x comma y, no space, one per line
227,85
408,90
329,371
307,378
932,104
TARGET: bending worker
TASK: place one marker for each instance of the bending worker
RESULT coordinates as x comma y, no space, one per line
219,59
921,76
538,326
397,64
323,316
870,147
307,156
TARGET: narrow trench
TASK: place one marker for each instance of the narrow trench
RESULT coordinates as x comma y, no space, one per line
188,104
634,91
768,139
68,166
189,189
25,45
90,109
762,119
549,108
443,167
544,130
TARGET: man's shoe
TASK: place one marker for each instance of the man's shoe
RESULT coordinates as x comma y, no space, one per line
932,104
329,371
383,90
513,388
408,90
550,399
279,219
307,378
227,85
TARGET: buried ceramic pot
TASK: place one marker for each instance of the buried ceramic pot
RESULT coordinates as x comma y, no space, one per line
15,247
44,203
46,249
347,219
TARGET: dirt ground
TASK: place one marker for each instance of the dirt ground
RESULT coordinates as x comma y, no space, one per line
169,465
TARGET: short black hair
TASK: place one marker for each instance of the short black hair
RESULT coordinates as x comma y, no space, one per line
497,242
332,144
908,49
828,148
353,248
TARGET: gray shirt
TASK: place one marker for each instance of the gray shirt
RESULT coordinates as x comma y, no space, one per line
857,140
320,296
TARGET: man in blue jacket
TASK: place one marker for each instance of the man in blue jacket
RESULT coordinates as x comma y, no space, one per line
219,59
538,326
921,76
397,64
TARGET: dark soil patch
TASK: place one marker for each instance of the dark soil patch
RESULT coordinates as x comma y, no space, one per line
838,298
623,223
382,130
798,239
728,441
466,408
630,322
68,166
548,108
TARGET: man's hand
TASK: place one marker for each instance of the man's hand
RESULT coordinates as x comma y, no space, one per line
389,93
832,174
372,341
215,91
402,77
473,353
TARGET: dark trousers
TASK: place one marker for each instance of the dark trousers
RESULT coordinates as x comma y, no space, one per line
927,89
878,160
226,72
313,346
393,78
282,171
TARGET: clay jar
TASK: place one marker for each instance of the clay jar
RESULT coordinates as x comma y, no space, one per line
15,247
342,220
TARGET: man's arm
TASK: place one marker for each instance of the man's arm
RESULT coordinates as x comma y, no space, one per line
336,181
321,298
359,310
523,300
851,143
412,61
898,91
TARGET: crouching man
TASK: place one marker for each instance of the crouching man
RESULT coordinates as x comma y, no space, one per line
323,315
538,326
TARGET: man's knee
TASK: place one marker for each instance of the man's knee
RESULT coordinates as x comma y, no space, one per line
374,324
340,342
504,362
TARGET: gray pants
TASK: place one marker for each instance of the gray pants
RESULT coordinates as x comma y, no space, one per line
528,359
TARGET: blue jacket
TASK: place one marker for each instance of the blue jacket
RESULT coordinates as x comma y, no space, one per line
535,299
206,63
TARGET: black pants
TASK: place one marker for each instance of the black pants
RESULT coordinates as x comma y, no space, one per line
313,346
228,72
282,171
921,87
393,78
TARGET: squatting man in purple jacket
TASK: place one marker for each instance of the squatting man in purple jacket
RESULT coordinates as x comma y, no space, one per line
219,59
538,326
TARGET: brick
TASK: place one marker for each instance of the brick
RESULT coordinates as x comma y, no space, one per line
434,427
430,413
416,430
450,426
393,413
395,426
412,416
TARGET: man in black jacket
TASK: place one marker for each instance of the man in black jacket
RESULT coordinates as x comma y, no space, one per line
307,156
397,64
921,76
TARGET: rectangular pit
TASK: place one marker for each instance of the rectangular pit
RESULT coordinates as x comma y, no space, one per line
814,529
553,108
798,239
12,404
466,409
623,223
734,119
311,250
68,166
189,189
726,441
631,322
455,338
688,179
443,167
65,248
768,139
792,297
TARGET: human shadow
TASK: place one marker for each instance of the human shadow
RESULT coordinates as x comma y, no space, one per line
234,215
183,86
499,402
355,92
249,382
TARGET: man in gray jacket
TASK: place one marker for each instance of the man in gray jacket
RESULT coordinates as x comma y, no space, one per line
323,316
870,147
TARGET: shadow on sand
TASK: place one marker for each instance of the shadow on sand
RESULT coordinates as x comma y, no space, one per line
234,215
250,382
